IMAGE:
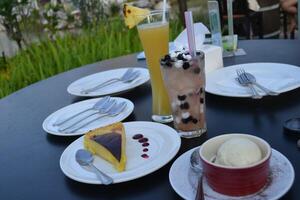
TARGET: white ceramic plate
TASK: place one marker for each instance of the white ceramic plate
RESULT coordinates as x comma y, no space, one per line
90,81
184,180
275,76
164,145
80,106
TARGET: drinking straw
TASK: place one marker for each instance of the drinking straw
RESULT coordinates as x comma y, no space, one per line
189,23
230,17
164,11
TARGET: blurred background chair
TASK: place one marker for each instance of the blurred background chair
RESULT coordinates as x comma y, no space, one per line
289,13
262,21
254,18
241,17
268,25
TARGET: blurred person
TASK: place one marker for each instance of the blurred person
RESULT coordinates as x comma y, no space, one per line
290,7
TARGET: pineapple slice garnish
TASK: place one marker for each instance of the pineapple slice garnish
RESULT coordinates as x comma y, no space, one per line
134,15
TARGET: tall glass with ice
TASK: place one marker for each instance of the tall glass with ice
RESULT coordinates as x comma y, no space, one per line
184,78
154,35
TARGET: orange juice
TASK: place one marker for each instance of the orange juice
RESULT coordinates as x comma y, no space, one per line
155,41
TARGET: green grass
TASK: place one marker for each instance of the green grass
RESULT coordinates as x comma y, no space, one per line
47,58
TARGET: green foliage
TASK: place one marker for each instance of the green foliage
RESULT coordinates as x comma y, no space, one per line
41,60
11,14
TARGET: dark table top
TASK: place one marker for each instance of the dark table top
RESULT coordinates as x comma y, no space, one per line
29,161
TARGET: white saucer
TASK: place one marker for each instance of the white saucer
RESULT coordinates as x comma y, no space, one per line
90,81
274,76
184,180
80,106
164,143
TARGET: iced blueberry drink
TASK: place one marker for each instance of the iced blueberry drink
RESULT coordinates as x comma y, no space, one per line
184,79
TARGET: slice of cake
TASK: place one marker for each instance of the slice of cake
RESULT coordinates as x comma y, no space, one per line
109,143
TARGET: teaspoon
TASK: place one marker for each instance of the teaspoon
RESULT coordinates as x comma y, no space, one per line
85,158
195,163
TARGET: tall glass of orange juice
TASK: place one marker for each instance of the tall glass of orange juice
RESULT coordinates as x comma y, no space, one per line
154,35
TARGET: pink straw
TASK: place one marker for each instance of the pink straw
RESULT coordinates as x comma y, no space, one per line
189,23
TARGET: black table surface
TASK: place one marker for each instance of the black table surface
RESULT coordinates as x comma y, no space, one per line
29,161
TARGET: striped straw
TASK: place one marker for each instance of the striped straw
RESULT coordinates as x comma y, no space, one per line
189,23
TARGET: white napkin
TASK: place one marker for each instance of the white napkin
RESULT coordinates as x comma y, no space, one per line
272,83
182,41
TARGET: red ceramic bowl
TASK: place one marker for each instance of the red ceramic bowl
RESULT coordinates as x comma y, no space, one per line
235,181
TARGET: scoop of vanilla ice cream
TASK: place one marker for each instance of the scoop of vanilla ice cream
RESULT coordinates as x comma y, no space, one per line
238,152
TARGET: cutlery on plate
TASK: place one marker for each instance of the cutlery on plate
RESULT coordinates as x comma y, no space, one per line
242,80
252,79
127,77
105,108
114,111
86,158
195,164
98,105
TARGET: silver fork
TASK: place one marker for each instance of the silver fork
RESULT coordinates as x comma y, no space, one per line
103,110
128,76
116,110
98,105
242,79
252,79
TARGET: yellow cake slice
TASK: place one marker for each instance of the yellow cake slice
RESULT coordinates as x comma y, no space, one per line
109,143
134,15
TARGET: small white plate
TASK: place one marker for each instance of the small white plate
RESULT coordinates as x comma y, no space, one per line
80,106
164,143
184,180
274,76
90,81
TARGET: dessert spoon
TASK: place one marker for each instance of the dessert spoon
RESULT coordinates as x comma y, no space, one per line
98,105
127,77
195,164
85,158
100,110
114,111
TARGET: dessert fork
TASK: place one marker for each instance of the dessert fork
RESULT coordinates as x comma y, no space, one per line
114,111
242,79
252,79
105,108
127,77
98,105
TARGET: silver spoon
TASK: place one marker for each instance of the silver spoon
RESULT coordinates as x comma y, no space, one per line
85,158
195,161
99,104
104,109
195,164
114,111
127,77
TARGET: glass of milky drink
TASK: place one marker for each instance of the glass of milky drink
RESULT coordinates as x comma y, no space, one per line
184,79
